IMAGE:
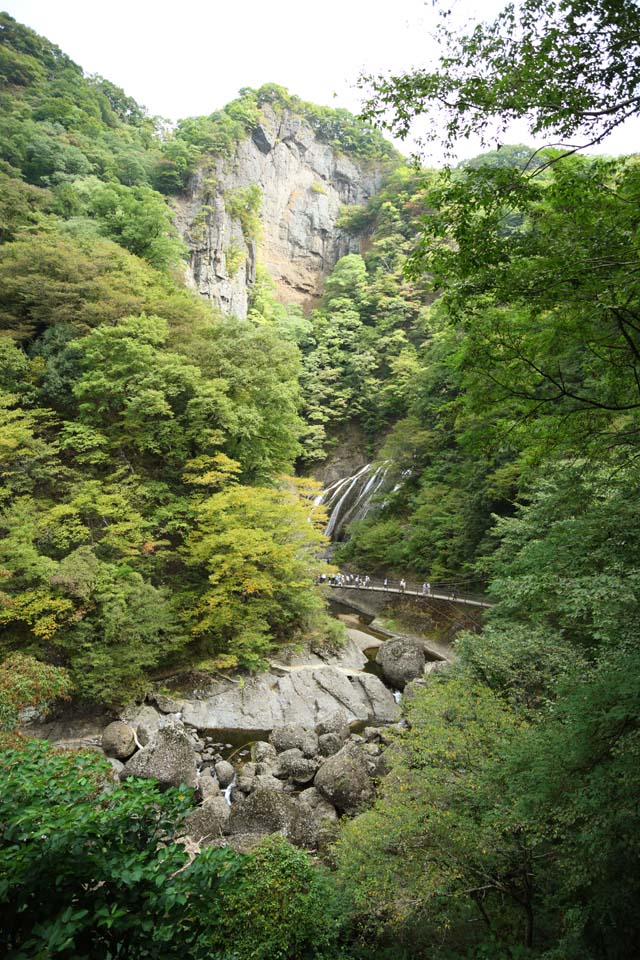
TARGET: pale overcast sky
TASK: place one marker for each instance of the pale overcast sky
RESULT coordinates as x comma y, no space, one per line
189,58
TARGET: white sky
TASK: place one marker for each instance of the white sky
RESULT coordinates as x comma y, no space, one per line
190,58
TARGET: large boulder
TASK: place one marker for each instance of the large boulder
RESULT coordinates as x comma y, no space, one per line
263,752
209,821
330,743
303,697
224,772
145,720
266,781
118,740
401,660
268,811
208,785
320,808
344,780
322,815
292,765
290,736
335,722
169,758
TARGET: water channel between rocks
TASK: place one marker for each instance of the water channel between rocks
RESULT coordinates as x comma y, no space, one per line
225,740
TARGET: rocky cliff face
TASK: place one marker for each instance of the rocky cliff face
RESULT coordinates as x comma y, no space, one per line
296,185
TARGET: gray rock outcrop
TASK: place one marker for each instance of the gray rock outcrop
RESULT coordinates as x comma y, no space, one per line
263,752
224,772
208,785
322,816
344,780
292,765
169,758
268,811
303,697
266,781
329,743
145,720
209,821
301,184
294,736
335,722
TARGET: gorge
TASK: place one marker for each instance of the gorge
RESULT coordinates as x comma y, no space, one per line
255,365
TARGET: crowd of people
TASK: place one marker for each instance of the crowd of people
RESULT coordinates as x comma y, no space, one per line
364,581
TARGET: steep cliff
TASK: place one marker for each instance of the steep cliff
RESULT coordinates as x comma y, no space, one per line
274,199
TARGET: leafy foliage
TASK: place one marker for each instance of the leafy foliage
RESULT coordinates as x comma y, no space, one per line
127,403
432,854
24,682
283,895
508,823
259,548
360,352
566,66
95,869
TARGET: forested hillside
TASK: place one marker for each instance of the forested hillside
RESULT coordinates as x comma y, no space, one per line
508,826
144,521
485,342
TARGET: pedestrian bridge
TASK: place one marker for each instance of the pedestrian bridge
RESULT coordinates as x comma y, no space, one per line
437,592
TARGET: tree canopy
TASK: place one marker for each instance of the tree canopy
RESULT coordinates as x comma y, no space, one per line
568,67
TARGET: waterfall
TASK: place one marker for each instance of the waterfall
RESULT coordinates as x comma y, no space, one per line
351,498
229,791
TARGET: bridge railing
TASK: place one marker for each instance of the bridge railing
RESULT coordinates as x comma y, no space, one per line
442,590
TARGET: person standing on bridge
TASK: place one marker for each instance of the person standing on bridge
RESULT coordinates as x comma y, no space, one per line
403,585
386,583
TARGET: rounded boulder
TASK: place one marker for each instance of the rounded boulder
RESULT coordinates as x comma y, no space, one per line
118,740
344,781
401,661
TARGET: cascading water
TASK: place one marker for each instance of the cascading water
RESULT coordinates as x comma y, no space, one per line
351,498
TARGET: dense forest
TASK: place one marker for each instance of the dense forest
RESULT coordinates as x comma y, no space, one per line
155,515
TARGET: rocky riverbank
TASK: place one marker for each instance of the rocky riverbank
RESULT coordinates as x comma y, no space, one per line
289,751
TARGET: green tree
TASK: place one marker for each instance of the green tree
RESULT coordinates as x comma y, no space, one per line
258,551
91,869
145,398
96,869
289,899
136,217
438,850
566,66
